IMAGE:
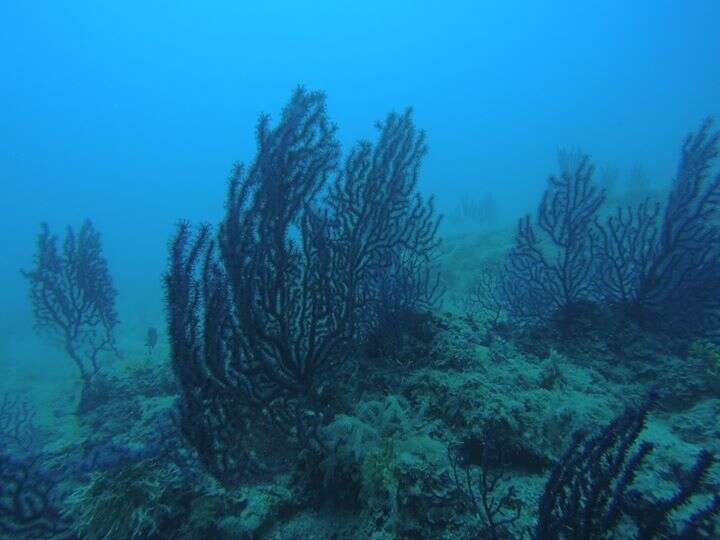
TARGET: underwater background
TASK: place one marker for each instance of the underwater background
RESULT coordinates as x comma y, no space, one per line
481,377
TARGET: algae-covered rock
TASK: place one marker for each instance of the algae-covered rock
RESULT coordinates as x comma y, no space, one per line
402,472
133,502
707,353
264,506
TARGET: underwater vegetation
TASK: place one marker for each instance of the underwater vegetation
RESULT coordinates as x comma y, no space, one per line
314,388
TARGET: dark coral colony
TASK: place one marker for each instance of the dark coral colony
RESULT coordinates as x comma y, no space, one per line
324,373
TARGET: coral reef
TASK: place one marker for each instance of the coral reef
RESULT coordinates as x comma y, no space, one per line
313,388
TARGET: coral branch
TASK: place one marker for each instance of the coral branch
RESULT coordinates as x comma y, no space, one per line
73,298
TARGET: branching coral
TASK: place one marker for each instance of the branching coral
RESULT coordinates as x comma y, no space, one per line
480,490
660,265
590,490
258,325
547,276
18,431
73,299
666,272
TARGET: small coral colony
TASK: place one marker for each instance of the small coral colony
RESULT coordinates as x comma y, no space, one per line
301,327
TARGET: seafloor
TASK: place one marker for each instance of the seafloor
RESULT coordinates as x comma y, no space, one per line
454,378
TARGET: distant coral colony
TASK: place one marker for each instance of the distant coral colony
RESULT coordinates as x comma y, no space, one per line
301,327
